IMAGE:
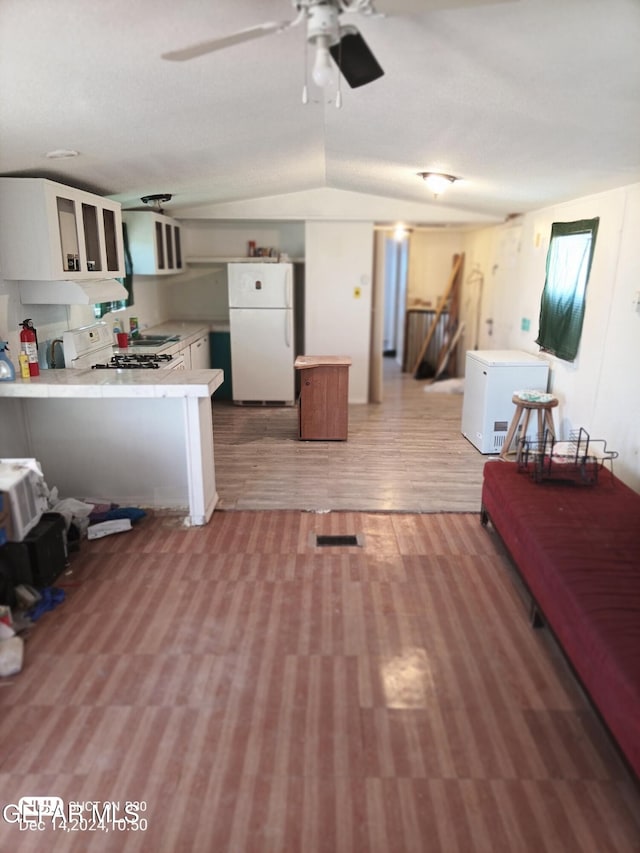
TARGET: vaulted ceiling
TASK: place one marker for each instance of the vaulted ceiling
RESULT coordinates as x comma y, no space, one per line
530,102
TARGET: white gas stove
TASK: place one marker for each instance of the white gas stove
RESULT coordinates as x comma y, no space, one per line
91,348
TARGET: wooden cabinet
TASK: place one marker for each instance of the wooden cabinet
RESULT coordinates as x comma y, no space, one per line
51,232
199,352
154,242
323,404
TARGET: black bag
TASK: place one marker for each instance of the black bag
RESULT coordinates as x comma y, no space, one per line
7,590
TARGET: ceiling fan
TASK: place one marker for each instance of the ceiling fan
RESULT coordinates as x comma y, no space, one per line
329,35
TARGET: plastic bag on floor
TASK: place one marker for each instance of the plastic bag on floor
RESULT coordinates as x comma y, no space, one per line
74,512
50,598
11,655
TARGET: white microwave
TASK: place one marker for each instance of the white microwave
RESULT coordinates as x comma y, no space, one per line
24,496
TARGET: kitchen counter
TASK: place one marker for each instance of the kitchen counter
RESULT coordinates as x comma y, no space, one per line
186,331
132,437
115,383
184,338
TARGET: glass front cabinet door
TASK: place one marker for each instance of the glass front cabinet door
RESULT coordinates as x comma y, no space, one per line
51,232
154,242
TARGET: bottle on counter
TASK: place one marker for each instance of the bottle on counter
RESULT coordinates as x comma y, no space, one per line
7,370
23,360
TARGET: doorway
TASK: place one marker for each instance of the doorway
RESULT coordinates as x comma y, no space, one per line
389,304
396,255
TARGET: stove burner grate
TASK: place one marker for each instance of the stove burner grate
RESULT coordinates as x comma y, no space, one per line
125,365
135,361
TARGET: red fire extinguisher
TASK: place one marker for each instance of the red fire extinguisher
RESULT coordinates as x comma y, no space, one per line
29,346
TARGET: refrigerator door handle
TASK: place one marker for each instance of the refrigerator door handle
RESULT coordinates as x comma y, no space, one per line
287,328
288,290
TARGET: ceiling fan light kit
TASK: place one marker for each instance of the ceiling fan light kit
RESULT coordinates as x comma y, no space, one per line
322,73
349,50
355,60
325,32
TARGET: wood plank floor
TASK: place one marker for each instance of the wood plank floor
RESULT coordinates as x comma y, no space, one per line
261,694
405,454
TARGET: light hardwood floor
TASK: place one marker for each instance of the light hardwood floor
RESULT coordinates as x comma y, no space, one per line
405,454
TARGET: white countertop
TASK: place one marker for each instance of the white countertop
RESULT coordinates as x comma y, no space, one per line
77,384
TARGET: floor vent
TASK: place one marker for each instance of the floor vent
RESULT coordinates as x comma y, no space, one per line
344,540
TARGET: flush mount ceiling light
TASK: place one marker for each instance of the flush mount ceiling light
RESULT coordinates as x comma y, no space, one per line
156,201
61,154
401,232
437,182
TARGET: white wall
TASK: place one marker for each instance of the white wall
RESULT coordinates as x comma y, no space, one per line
339,262
330,204
600,390
430,262
219,238
201,293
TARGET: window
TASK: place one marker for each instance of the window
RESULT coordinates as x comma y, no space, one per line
563,298
102,308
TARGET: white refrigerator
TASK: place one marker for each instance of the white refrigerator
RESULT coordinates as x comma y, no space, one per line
490,379
261,329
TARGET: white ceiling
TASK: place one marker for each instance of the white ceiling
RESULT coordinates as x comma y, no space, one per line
531,102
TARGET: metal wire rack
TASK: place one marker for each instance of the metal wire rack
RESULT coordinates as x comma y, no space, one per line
577,460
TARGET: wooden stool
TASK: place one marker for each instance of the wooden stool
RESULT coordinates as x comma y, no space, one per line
545,419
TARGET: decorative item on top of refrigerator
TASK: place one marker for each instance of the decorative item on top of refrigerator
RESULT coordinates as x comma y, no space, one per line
261,324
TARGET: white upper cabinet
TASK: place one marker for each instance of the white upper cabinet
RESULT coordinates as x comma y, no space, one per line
51,232
154,242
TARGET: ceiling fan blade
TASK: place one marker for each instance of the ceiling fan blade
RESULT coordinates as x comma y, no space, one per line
414,7
248,34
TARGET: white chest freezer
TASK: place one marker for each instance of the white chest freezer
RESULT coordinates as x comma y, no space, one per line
491,378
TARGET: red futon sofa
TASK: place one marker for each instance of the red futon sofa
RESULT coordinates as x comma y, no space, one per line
577,549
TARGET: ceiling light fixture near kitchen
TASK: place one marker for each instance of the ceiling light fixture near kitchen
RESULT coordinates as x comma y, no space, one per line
437,182
62,154
156,200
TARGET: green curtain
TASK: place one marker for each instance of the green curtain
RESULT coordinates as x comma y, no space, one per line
563,297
